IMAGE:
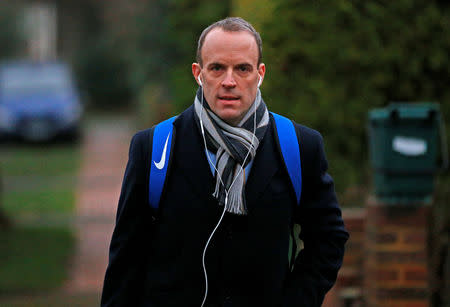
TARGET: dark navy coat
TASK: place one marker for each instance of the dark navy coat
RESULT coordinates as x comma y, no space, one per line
155,258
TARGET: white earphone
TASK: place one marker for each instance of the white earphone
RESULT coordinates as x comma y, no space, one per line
226,192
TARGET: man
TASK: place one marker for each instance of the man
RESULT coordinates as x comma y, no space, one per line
220,236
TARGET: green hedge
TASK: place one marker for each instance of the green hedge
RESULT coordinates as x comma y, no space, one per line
103,74
329,63
165,46
11,39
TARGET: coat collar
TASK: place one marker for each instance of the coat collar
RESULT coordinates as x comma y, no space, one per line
190,158
189,154
264,167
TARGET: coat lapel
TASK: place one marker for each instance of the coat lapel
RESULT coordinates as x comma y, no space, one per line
190,155
264,167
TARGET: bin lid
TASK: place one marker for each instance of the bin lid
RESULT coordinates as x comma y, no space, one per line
419,111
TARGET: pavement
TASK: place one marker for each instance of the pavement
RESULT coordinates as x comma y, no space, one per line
104,157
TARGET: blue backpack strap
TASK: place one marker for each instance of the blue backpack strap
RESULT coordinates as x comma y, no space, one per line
161,146
290,150
287,138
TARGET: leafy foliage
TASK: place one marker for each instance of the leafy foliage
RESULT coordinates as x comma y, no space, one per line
10,36
102,74
329,63
255,12
165,45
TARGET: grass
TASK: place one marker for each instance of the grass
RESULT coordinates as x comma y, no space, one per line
35,258
32,258
40,202
53,301
56,159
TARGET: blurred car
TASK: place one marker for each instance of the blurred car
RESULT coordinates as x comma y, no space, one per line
38,101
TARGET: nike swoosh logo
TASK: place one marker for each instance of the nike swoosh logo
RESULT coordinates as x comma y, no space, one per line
162,162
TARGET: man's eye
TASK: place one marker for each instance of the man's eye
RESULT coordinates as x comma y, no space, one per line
244,68
216,67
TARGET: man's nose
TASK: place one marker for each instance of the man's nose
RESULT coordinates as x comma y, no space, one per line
229,80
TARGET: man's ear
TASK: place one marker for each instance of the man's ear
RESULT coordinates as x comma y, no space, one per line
262,70
196,69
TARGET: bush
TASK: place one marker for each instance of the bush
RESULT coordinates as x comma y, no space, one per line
10,38
165,46
329,64
102,74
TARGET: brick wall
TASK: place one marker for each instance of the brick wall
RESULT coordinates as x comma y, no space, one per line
348,287
386,258
395,261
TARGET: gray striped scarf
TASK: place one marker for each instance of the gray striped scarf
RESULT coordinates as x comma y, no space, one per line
235,147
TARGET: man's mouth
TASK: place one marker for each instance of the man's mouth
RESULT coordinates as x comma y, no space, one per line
228,98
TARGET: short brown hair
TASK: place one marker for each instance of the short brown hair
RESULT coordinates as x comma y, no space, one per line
230,24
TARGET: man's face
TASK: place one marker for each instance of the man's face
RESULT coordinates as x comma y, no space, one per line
230,73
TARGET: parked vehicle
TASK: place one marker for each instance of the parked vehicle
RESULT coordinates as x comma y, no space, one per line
38,101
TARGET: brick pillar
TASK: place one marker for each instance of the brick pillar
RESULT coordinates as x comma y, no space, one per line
350,274
347,290
396,265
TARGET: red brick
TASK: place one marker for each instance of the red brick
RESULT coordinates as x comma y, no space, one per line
354,219
387,302
349,277
398,215
374,201
357,237
382,238
395,257
354,213
354,246
403,293
417,274
417,304
383,275
416,237
355,225
353,259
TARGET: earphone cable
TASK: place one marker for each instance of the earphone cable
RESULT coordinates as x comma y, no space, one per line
226,191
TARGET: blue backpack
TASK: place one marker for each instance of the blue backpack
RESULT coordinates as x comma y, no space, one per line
287,139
